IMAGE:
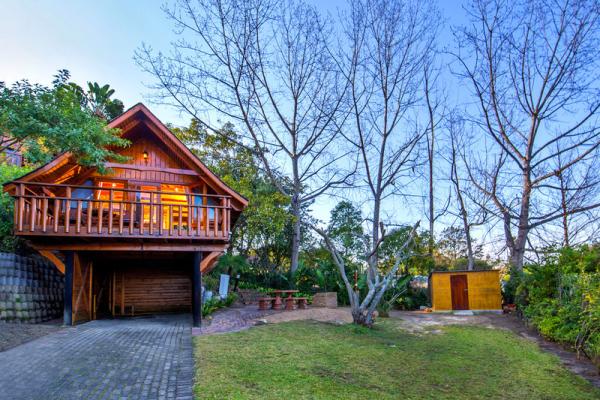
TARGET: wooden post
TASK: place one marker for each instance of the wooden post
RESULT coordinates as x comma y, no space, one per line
68,296
197,290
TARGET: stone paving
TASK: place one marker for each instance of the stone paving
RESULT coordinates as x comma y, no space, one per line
140,358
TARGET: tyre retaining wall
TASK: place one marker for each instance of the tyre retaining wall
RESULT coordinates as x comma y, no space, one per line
31,289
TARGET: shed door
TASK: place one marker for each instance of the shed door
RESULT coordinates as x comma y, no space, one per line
460,292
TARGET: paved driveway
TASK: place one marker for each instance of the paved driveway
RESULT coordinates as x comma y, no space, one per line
143,358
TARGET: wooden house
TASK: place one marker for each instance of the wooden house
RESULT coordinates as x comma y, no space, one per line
137,239
465,290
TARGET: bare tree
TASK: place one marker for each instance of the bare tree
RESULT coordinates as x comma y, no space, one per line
434,104
263,64
469,219
575,187
533,68
389,45
378,282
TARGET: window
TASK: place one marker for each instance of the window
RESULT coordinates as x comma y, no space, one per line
105,194
174,195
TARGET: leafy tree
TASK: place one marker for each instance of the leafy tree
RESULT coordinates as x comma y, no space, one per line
346,229
420,262
453,244
99,100
262,233
45,121
8,242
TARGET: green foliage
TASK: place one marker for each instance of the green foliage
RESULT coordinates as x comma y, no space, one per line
412,299
419,264
45,121
346,230
214,304
561,297
262,233
9,242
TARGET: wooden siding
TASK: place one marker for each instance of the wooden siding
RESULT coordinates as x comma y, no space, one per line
152,288
160,167
483,290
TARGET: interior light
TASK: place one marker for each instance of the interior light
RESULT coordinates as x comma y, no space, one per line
145,155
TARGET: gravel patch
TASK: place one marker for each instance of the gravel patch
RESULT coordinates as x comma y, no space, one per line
15,334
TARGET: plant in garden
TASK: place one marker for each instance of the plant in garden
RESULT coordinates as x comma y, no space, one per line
561,297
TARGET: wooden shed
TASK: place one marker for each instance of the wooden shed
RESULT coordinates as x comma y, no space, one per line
465,290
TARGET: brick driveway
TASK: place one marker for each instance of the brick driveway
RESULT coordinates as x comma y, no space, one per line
144,358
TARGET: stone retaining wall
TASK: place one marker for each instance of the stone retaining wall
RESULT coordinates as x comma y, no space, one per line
31,289
325,299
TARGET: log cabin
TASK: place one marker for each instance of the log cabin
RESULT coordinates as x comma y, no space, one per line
136,239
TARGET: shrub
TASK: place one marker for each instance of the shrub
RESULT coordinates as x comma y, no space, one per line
561,298
214,304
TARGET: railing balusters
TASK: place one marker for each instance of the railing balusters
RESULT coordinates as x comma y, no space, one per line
90,211
179,223
43,212
100,217
199,227
56,212
68,210
131,217
142,222
206,221
33,214
216,221
151,207
170,219
121,210
78,218
110,210
160,219
21,206
189,220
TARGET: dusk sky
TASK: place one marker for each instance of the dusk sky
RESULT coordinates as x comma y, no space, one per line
96,40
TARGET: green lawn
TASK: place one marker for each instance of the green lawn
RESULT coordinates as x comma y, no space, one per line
310,360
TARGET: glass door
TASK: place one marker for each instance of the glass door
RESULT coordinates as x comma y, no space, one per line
148,205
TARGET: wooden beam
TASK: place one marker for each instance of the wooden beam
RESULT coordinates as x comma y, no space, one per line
54,260
197,290
132,247
209,261
177,171
68,294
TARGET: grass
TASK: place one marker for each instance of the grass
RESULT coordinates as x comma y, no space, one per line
311,360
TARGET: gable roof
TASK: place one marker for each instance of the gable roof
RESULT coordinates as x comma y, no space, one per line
140,113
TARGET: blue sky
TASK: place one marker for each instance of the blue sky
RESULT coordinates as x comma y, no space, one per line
96,40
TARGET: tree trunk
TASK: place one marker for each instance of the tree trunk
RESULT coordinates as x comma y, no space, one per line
517,254
296,233
431,210
565,210
373,259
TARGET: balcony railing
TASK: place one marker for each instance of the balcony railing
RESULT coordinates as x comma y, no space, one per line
94,211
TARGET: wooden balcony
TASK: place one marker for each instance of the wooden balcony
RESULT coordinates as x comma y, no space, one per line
43,209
